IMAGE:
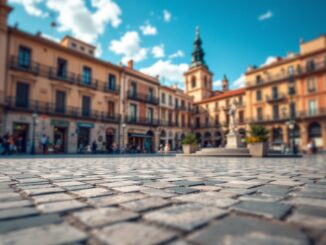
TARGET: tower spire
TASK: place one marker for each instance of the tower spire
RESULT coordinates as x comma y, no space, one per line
198,54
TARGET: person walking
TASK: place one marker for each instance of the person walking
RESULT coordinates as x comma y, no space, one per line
94,147
43,142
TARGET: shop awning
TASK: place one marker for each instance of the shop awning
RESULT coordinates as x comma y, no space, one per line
140,135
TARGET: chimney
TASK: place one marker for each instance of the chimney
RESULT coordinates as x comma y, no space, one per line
131,64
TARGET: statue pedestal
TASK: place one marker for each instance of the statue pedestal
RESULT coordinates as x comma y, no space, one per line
233,140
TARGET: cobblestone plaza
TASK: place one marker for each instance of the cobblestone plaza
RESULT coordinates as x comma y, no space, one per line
163,200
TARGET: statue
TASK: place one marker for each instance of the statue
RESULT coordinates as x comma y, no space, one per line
232,112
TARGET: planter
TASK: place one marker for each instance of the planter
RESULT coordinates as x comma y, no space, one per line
188,149
258,149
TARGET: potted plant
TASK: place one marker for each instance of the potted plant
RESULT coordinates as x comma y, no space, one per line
189,144
257,141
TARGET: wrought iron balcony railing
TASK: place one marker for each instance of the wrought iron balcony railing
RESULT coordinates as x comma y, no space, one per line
146,98
153,122
35,106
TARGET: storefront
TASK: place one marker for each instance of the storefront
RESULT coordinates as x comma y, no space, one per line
138,142
110,136
84,134
60,132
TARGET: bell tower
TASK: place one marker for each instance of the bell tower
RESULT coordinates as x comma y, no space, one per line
225,84
198,79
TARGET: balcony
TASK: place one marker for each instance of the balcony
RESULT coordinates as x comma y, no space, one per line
168,124
275,98
268,118
311,114
181,108
63,76
286,76
142,121
34,106
145,98
197,110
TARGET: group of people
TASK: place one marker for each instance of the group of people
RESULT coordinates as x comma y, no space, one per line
10,144
46,146
98,148
165,148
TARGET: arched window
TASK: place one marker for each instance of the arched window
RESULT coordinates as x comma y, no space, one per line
314,130
193,82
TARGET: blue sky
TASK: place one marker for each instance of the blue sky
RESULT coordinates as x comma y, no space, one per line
159,34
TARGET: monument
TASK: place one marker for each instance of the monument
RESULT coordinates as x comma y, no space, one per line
233,139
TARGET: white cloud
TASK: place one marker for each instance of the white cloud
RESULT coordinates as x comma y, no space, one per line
52,38
240,82
167,16
129,46
269,60
99,50
158,51
177,54
167,70
148,30
31,7
269,14
74,16
217,83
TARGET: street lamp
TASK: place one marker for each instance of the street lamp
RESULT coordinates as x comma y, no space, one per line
123,135
291,122
34,117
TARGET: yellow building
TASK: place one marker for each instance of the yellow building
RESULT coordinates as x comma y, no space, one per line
289,95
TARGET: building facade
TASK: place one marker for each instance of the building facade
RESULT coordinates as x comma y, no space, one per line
63,91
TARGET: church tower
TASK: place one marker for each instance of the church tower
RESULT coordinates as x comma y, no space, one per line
225,84
198,79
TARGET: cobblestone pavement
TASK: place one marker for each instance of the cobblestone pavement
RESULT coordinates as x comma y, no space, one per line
163,200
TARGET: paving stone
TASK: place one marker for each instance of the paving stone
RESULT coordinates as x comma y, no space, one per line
233,192
187,183
62,206
45,235
158,193
77,187
241,184
206,188
17,212
182,190
266,209
260,198
275,190
247,230
289,183
208,198
93,192
185,217
306,201
159,185
42,191
133,234
51,198
15,204
104,216
29,187
131,188
9,196
145,204
68,183
115,199
27,222
310,194
309,217
119,184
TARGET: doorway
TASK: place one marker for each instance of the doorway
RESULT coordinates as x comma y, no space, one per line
20,133
83,137
59,139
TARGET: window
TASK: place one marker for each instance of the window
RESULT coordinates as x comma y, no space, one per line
91,52
133,112
170,118
22,94
275,112
111,82
310,65
82,48
311,83
312,108
207,122
150,94
133,89
163,116
86,106
240,100
217,120
176,103
170,100
183,104
274,92
205,82
291,70
62,68
259,80
197,122
60,101
259,114
87,75
183,121
150,115
111,109
291,89
177,119
24,57
241,116
193,82
258,95
163,98
216,106
74,45
292,110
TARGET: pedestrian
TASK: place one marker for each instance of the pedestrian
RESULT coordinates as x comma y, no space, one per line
6,144
313,147
167,148
94,147
43,143
57,146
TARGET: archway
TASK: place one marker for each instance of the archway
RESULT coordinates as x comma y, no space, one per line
207,139
109,139
198,137
315,134
149,142
277,136
218,138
